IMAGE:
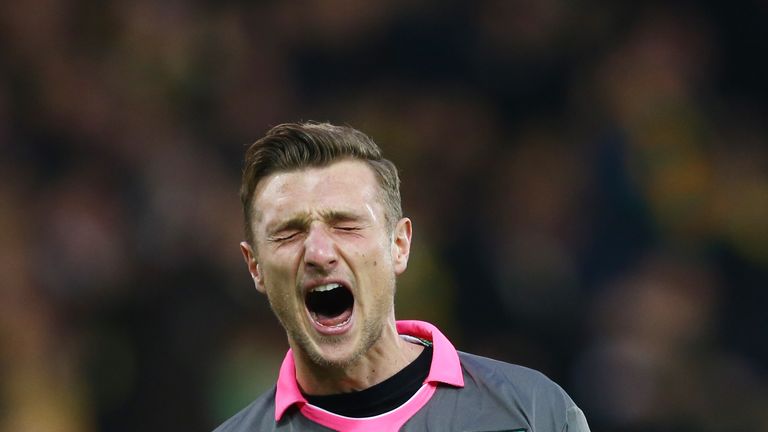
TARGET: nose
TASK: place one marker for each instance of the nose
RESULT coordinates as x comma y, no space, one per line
319,250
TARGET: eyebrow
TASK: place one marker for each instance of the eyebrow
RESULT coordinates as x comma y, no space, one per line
340,216
301,222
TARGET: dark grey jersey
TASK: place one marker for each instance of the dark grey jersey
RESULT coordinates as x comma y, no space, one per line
496,396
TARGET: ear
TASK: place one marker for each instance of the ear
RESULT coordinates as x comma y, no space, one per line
253,266
401,245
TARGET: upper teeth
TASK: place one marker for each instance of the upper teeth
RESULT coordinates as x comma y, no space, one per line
326,287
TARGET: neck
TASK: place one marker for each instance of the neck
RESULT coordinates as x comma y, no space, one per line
388,356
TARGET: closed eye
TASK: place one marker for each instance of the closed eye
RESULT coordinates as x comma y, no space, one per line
347,228
284,237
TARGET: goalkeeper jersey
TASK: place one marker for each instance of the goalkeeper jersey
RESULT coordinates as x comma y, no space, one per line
462,392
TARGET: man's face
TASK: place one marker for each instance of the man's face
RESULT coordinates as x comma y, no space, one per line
326,258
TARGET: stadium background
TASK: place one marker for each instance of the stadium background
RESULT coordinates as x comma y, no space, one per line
588,183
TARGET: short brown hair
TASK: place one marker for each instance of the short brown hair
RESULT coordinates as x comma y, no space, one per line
293,146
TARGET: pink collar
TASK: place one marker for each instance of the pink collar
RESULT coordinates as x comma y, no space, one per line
445,367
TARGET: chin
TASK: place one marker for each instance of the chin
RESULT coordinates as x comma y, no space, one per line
336,357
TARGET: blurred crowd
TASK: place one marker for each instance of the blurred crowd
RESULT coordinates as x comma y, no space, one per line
588,183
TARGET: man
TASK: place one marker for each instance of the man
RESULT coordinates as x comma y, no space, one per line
325,240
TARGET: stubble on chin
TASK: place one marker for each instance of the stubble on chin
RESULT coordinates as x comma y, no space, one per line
371,334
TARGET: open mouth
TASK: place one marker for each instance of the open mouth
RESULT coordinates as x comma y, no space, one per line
330,305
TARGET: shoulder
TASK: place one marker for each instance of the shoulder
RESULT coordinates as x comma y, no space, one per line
252,416
525,389
494,371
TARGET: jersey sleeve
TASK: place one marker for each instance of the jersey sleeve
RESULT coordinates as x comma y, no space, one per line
575,420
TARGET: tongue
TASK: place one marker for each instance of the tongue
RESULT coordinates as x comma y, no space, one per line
332,321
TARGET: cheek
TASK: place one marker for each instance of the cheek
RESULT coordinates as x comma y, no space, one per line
279,284
375,258
281,264
283,304
379,266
